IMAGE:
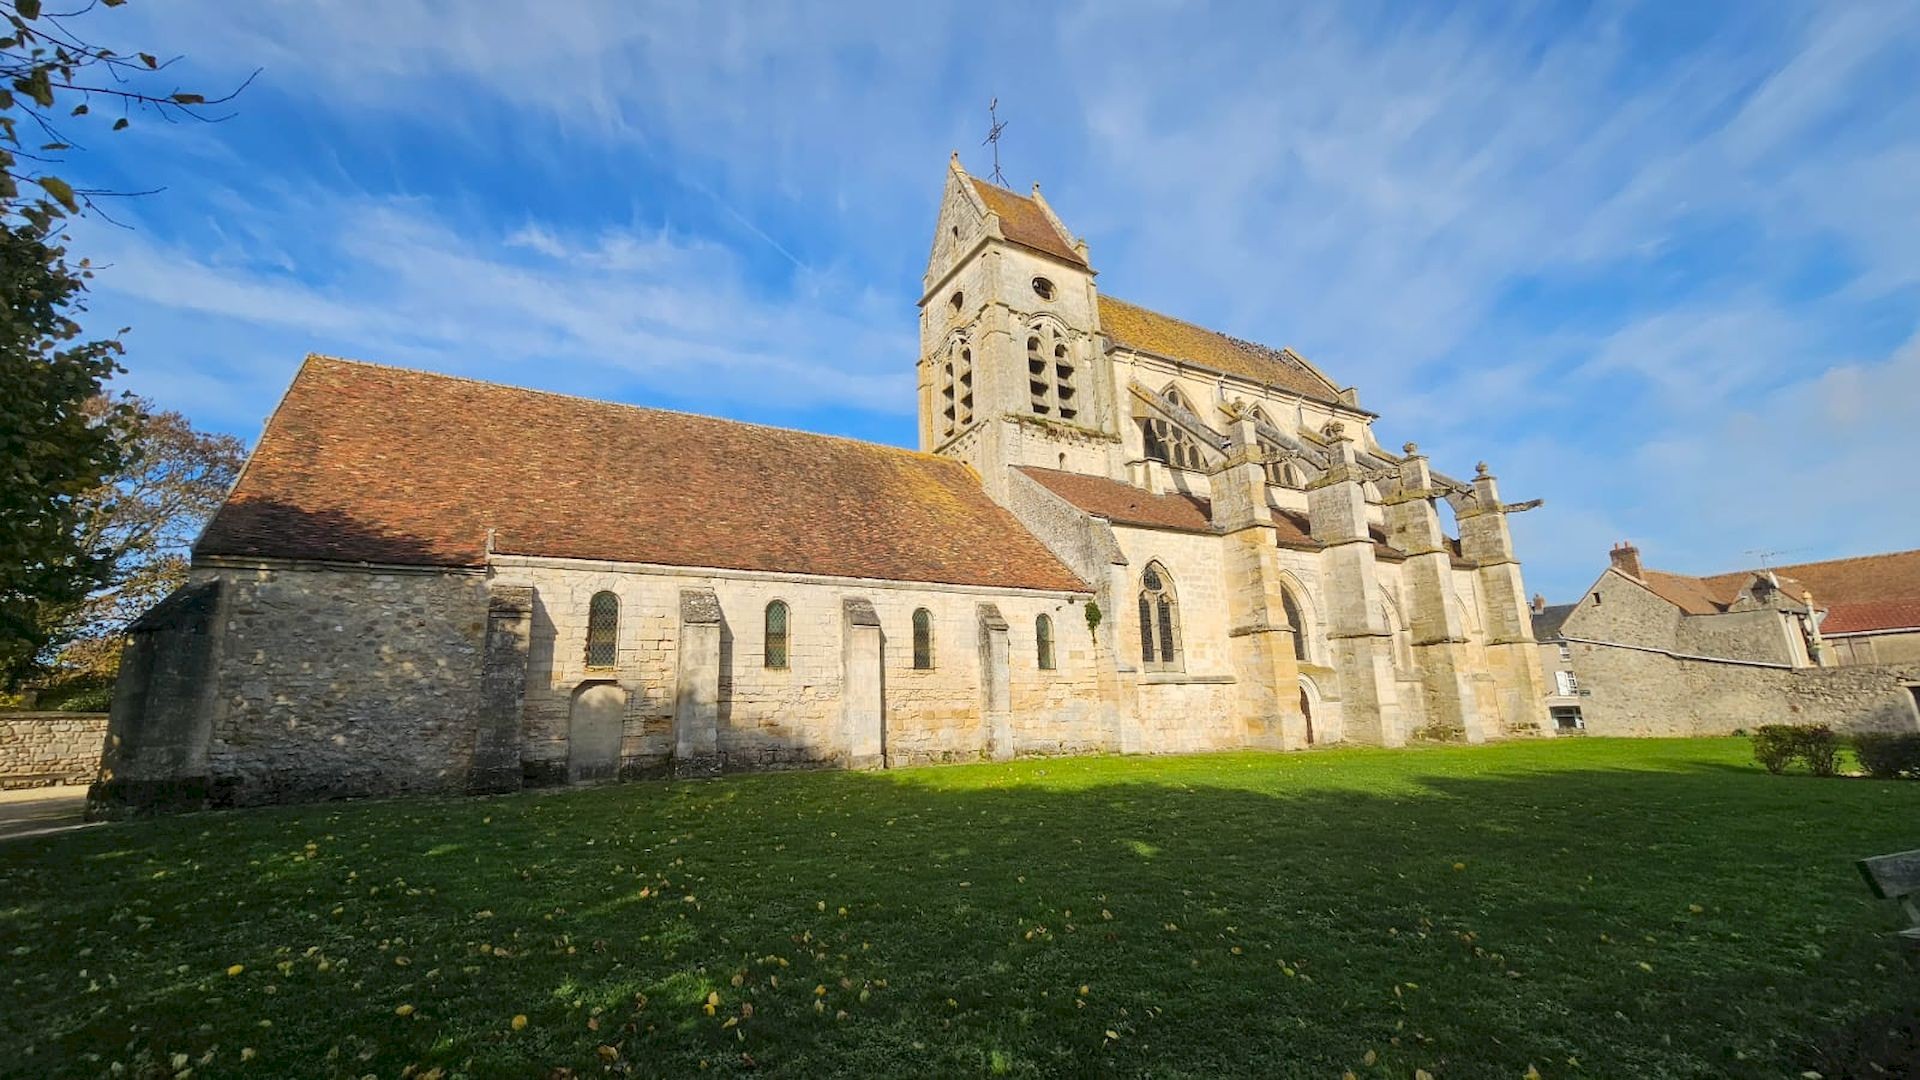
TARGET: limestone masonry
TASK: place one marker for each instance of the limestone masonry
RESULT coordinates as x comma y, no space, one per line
1121,533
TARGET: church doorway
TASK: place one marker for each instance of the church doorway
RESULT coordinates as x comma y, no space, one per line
1306,713
593,732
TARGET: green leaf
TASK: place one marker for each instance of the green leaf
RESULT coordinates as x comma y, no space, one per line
28,9
189,99
60,190
79,110
148,59
120,123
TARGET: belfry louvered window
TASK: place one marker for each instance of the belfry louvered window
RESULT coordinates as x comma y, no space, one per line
603,630
1159,620
956,390
776,649
1043,641
1051,371
922,639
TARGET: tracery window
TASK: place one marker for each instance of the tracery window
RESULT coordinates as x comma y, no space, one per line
922,639
1051,371
776,649
1167,441
956,389
1159,620
603,630
1043,641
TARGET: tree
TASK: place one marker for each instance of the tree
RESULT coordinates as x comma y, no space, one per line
54,448
142,522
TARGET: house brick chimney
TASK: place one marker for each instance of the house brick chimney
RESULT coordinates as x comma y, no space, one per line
1626,558
1539,603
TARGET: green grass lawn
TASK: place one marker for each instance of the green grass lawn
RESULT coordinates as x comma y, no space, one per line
1598,908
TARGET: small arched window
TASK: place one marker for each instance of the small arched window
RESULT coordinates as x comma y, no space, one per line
1043,641
603,630
776,650
1159,620
922,639
1296,623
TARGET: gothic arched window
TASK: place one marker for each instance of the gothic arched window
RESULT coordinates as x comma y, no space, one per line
776,650
922,639
1043,641
603,630
1159,620
1296,622
1167,441
1050,373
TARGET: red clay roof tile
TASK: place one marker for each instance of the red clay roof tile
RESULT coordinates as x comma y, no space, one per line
368,463
1025,222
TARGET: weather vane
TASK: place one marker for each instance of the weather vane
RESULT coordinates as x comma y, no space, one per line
996,126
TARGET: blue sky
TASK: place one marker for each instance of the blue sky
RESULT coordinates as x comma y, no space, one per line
1656,263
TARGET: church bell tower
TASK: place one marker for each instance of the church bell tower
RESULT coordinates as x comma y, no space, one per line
1012,368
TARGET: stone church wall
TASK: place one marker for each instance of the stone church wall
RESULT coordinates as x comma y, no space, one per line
791,717
50,748
344,682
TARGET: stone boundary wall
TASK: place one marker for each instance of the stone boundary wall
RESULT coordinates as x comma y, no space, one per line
40,748
1635,690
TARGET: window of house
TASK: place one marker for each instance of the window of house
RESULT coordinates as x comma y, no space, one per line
1566,684
1159,620
1296,623
776,650
1043,641
922,639
1043,288
1566,651
1567,718
603,630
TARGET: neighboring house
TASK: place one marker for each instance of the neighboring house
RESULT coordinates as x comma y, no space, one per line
1556,663
1648,652
1123,532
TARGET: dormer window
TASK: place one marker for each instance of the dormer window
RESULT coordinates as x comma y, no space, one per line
1043,288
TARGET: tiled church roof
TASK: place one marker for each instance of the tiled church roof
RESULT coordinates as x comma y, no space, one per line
1149,331
366,463
1023,221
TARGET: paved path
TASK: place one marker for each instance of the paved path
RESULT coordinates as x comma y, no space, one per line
31,811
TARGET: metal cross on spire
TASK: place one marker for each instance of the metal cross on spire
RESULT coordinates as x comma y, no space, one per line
994,128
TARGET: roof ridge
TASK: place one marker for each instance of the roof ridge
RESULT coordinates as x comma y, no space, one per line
604,403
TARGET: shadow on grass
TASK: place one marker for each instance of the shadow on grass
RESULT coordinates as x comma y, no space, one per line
1468,913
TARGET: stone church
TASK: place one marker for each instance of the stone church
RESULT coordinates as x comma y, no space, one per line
1121,533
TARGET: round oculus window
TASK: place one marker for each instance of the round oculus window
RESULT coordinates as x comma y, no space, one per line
1043,288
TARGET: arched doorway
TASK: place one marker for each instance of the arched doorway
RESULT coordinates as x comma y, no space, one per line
1306,713
593,731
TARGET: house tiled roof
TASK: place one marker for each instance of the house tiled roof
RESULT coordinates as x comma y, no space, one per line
1149,331
1025,222
1690,594
1855,617
1843,581
367,463
1548,620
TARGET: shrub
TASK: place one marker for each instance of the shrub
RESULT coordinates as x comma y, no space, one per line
1888,755
1773,746
1819,747
1777,745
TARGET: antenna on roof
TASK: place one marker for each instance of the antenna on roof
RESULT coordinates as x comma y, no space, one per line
995,126
1764,557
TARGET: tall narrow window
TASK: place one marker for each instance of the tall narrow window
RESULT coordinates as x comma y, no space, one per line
1050,373
603,630
956,390
1038,385
1298,624
922,639
1043,641
1159,620
777,634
